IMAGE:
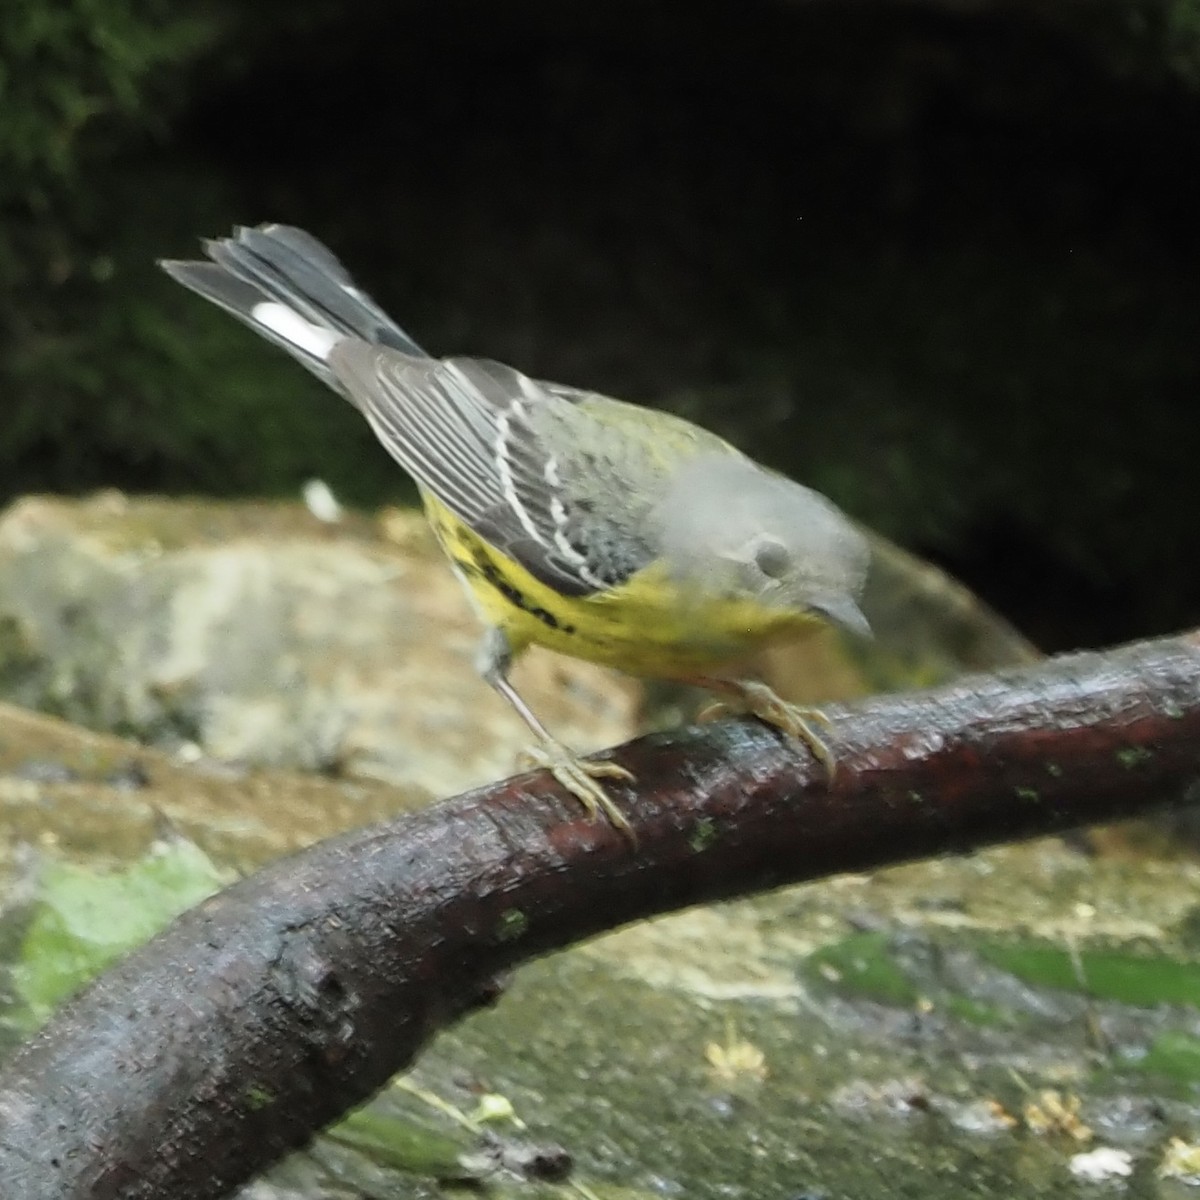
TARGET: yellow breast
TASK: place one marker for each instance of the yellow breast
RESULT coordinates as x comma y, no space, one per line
646,626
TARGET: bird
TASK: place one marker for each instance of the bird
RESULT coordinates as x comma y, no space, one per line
601,529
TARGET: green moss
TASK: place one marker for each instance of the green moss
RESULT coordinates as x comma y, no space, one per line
1134,756
513,925
703,835
1144,980
862,966
401,1142
258,1097
1174,1055
974,1012
84,919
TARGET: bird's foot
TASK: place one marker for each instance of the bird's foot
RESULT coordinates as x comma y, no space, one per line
795,720
581,777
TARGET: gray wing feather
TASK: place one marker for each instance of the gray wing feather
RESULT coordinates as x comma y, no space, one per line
467,430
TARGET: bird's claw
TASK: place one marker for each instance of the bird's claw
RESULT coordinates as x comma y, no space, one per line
580,776
795,720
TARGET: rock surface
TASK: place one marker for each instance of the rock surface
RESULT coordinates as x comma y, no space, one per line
255,634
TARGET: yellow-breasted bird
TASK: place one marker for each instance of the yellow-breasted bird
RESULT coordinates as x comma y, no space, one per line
600,529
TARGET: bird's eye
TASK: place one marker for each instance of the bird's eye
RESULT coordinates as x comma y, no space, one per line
771,558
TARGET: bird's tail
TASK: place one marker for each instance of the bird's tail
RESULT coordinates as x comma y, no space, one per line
289,287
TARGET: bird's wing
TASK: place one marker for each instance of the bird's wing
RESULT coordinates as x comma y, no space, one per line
468,431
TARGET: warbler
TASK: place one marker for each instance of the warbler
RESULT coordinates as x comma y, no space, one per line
600,529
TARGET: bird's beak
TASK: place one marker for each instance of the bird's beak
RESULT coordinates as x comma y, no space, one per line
843,612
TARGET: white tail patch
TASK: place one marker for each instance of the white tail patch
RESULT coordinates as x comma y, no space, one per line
289,325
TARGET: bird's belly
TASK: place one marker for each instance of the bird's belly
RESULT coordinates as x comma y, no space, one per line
646,626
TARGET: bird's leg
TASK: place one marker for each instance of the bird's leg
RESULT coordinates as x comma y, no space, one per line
753,696
579,776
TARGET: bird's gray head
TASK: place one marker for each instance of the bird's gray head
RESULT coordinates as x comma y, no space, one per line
730,527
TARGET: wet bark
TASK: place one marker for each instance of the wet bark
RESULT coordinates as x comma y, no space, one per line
264,1013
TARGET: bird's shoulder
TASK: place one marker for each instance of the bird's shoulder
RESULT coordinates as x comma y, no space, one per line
625,442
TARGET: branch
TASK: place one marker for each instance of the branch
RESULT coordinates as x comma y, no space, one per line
266,1012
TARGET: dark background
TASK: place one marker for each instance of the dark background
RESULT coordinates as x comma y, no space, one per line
939,261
